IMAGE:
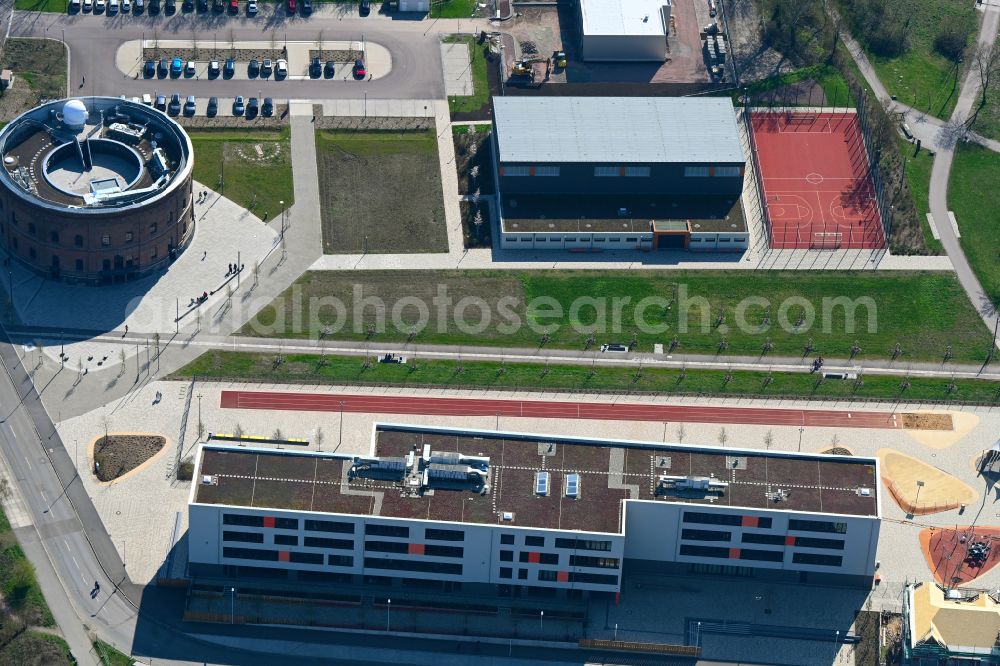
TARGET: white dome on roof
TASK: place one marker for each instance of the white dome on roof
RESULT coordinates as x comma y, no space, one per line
75,113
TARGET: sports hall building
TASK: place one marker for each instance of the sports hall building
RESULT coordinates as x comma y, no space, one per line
520,514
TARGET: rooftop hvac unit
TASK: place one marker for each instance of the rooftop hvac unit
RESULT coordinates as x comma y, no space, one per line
209,480
542,483
507,516
694,483
573,485
864,492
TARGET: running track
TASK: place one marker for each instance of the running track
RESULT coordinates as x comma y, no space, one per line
373,404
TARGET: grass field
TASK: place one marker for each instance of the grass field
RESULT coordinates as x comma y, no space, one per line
33,648
21,594
536,376
921,77
380,192
257,180
109,656
39,63
918,175
452,8
480,84
826,77
974,177
922,312
988,121
43,5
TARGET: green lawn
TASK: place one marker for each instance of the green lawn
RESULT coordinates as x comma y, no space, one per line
975,174
21,594
43,5
452,8
41,63
36,648
918,175
109,656
988,121
480,84
827,77
313,368
921,77
923,312
257,180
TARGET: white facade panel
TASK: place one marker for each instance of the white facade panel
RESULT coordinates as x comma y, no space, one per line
624,48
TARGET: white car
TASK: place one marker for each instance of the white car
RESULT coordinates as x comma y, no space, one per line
126,6
251,7
112,7
74,5
99,6
281,68
88,5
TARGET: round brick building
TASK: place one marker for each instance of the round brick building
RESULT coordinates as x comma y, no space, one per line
95,190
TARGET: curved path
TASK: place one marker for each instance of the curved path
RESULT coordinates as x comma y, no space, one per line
606,411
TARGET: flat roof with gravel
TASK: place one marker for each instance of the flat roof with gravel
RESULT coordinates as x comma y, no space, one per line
606,473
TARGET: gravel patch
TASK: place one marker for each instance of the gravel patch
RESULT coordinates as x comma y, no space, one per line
117,455
336,55
220,54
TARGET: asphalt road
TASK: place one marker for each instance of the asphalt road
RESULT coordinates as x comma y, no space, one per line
93,40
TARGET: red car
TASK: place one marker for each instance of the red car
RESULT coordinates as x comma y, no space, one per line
291,6
359,67
234,6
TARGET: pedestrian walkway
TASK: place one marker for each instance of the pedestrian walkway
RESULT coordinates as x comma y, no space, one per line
457,69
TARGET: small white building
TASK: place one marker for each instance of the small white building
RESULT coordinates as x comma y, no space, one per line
624,30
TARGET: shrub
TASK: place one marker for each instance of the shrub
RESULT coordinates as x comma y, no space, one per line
951,42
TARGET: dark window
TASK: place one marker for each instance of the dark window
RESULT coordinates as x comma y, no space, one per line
321,542
128,236
704,551
506,572
712,518
583,544
387,546
387,530
79,264
78,240
340,560
31,227
32,253
54,237
543,558
597,562
444,535
762,555
152,228
817,526
329,526
241,519
425,566
286,539
105,240
506,556
443,551
522,574
250,554
705,535
546,574
816,542
534,541
814,558
507,539
245,537
764,523
770,539
286,523
596,579
306,558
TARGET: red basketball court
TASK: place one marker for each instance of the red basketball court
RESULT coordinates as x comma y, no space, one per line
816,181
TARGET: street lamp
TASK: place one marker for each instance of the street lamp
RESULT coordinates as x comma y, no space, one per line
340,436
541,621
388,607
920,484
232,606
802,429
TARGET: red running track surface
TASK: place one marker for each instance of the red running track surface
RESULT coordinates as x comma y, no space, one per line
604,411
817,185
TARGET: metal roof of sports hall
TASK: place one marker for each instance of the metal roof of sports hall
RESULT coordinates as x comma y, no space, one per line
615,130
609,473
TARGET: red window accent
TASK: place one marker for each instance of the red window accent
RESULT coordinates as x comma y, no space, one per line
501,171
534,558
734,553
621,171
283,556
415,549
562,576
268,521
789,541
749,521
741,171
531,171
711,171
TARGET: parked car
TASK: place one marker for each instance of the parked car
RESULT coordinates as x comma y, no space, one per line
176,66
164,68
329,70
126,6
218,6
189,106
112,7
171,7
359,69
365,8
229,69
315,68
266,66
149,69
147,99
281,69
614,347
213,69
187,6
291,6
189,68
213,107
99,6
139,6
253,68
161,103
202,6
239,106
267,108
154,7
74,6
88,5
252,107
392,358
175,105
251,7
307,7
234,7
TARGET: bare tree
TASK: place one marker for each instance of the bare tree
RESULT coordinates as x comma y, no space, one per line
681,431
723,437
986,65
768,439
319,439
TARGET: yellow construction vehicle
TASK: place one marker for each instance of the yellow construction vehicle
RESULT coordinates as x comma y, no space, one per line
559,59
